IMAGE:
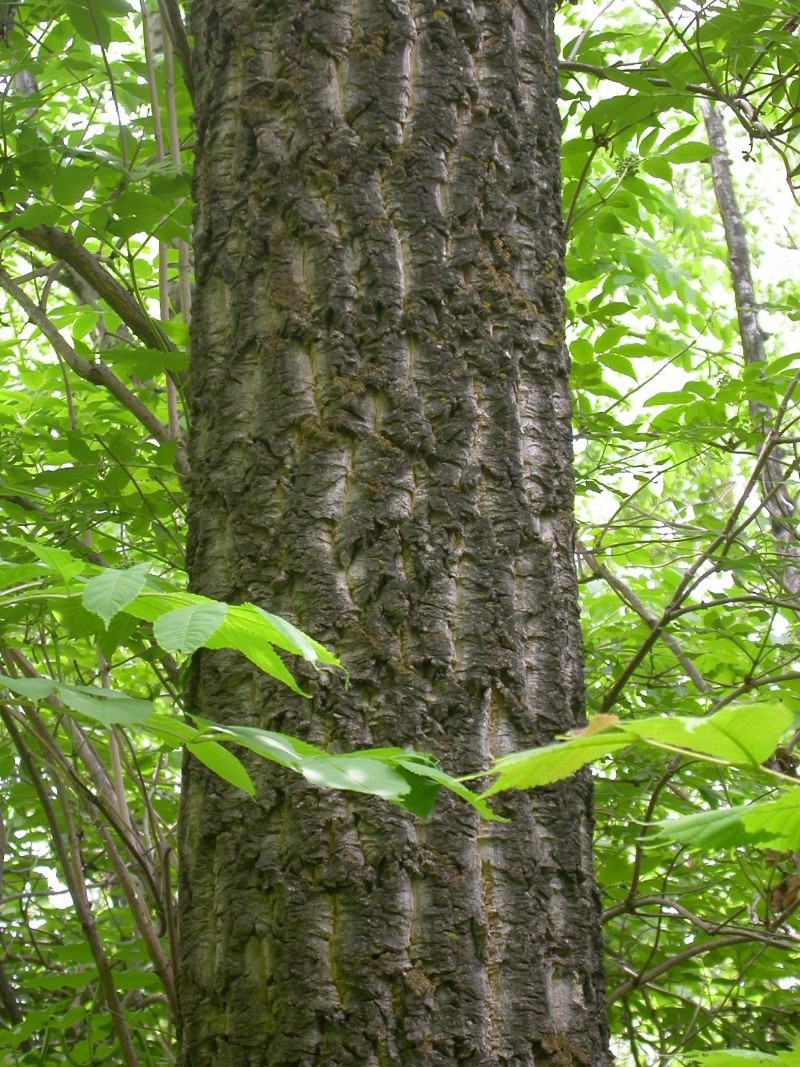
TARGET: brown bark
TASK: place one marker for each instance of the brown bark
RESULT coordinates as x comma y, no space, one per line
381,452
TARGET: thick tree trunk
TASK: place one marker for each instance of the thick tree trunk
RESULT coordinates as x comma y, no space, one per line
381,452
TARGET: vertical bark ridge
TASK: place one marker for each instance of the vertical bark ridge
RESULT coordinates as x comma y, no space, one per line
382,453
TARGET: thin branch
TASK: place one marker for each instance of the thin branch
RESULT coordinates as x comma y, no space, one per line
171,14
62,245
696,950
626,594
607,74
69,856
97,373
723,541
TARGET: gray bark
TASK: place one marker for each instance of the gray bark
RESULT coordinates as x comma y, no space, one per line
381,451
778,498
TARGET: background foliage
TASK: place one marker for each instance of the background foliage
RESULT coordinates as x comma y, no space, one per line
685,450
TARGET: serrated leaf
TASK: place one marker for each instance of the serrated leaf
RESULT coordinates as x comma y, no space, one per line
767,824
108,593
65,565
550,763
187,629
246,628
744,734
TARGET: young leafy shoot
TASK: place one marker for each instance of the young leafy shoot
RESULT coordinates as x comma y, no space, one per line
742,735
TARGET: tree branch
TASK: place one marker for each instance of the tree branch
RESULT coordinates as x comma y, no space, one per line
171,14
625,593
63,246
696,950
97,373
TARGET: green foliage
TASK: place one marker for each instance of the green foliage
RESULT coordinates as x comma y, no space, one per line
748,1058
744,735
691,631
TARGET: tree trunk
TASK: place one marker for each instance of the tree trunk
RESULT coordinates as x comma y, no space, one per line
381,450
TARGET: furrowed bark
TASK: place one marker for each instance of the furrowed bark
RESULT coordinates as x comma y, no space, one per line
381,451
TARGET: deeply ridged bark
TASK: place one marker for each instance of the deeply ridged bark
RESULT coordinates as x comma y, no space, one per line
381,452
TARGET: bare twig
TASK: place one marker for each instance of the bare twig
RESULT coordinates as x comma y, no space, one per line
625,593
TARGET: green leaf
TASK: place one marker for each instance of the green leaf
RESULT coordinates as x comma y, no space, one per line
222,762
768,824
744,734
59,560
106,706
245,627
356,772
111,591
658,167
550,763
187,629
419,767
689,152
739,1057
89,22
286,636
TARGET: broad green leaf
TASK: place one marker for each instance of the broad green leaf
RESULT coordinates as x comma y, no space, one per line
542,766
689,152
59,560
250,627
739,1057
356,773
421,801
187,629
110,592
767,824
281,748
32,688
149,605
106,706
245,628
174,731
297,641
351,771
222,762
744,734
260,653
89,22
408,778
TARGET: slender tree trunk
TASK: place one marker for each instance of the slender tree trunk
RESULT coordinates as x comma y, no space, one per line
779,499
381,451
